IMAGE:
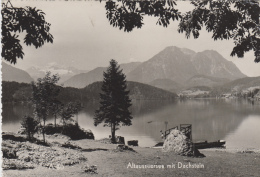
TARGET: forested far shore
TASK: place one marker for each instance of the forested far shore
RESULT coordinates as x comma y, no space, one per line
22,92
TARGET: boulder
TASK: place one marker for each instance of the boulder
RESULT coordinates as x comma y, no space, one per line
120,140
132,143
178,143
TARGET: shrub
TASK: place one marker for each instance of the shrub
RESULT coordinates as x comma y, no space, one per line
71,130
76,133
9,153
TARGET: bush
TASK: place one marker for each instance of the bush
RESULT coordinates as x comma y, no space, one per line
9,153
71,130
75,133
30,125
50,129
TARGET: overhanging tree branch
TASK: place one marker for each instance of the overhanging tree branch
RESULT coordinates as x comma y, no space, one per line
16,20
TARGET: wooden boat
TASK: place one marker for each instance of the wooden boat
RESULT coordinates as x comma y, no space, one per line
200,145
206,144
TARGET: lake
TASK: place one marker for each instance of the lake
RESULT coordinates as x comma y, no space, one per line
234,120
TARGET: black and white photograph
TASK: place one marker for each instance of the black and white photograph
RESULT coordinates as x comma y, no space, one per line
125,88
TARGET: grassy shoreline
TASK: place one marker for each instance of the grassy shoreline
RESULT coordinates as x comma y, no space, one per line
112,162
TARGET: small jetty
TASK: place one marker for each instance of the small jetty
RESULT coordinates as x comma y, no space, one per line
187,130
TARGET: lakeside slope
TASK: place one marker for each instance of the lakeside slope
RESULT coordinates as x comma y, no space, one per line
112,162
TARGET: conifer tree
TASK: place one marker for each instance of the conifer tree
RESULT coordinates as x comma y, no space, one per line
114,100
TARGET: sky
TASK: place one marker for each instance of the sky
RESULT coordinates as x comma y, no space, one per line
84,39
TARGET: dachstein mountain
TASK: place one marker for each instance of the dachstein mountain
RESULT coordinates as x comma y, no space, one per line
10,73
180,65
64,72
84,79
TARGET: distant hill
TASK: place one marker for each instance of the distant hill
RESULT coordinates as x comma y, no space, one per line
239,85
137,90
16,92
166,84
10,73
84,79
208,81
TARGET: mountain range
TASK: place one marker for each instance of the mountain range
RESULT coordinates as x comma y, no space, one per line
64,72
171,69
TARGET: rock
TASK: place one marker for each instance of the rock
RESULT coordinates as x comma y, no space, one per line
178,143
120,140
132,143
123,147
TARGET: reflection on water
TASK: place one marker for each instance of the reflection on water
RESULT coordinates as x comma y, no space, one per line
246,135
232,120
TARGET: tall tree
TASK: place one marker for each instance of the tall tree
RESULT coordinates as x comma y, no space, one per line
226,19
45,92
114,100
16,20
56,110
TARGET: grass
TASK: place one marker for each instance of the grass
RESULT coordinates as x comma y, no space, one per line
104,160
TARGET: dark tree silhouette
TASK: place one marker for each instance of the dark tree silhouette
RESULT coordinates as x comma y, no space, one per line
45,92
115,102
16,20
226,19
238,20
30,125
56,110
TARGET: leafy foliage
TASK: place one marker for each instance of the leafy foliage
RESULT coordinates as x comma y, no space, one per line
69,110
56,109
115,102
128,15
16,20
45,92
230,19
30,125
238,20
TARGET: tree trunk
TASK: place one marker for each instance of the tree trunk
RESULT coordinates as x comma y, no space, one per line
113,133
55,120
43,130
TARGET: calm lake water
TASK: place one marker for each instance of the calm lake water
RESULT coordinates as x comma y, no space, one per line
236,121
